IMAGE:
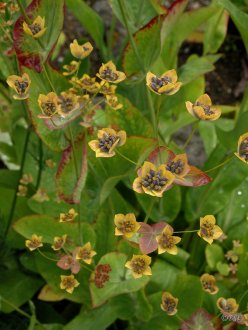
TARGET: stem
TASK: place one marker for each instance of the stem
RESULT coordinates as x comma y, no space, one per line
242,297
111,34
48,78
129,160
185,231
152,112
40,165
221,164
149,210
6,33
26,18
190,135
45,256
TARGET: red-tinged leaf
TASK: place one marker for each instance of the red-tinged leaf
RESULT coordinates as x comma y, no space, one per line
201,319
148,242
195,178
68,262
69,186
160,154
33,53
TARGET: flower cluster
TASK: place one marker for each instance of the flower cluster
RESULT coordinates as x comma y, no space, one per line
102,275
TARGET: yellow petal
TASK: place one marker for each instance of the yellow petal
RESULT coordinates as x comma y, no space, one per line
189,107
217,232
146,168
137,185
204,99
123,137
94,145
172,74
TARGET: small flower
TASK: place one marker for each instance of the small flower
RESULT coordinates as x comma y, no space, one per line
232,255
209,283
50,163
108,140
169,303
36,29
70,68
167,242
166,84
34,243
140,265
106,88
109,73
152,180
80,51
229,305
68,283
41,196
68,102
21,86
49,104
233,268
85,253
242,152
88,83
22,190
26,179
178,165
112,101
202,108
58,242
69,262
208,230
126,225
68,217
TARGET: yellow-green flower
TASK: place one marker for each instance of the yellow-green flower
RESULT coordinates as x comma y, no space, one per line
41,196
70,68
108,72
108,140
229,305
139,265
68,217
68,102
26,178
58,242
126,225
20,85
34,243
169,303
68,283
152,180
202,108
208,229
179,165
242,152
85,253
49,104
165,84
106,88
112,101
36,29
80,51
167,242
89,84
209,283
22,190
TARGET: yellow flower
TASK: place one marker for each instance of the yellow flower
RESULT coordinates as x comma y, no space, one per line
108,140
21,86
242,152
80,51
68,102
202,108
208,229
227,305
34,243
70,68
167,242
169,303
68,283
49,104
68,217
26,179
88,83
22,190
106,88
41,196
112,101
36,29
109,73
165,84
85,253
152,180
178,166
209,283
126,225
58,242
139,265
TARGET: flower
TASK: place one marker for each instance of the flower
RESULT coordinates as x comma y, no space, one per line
140,265
21,85
165,84
208,283
22,190
68,102
41,196
34,243
126,225
242,152
70,68
69,262
80,51
202,108
152,180
85,253
178,165
88,83
36,29
208,230
50,163
169,303
112,101
227,305
167,242
58,242
26,179
109,73
68,217
106,88
68,283
108,140
49,104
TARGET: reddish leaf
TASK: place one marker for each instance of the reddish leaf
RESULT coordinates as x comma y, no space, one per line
69,262
148,242
162,153
195,178
201,319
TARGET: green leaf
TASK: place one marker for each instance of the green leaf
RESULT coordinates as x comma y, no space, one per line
143,308
108,186
120,281
222,268
214,254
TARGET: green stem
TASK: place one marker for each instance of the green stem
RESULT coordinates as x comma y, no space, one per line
242,297
111,34
152,112
149,210
26,18
40,165
190,135
45,256
48,78
221,164
128,159
186,231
